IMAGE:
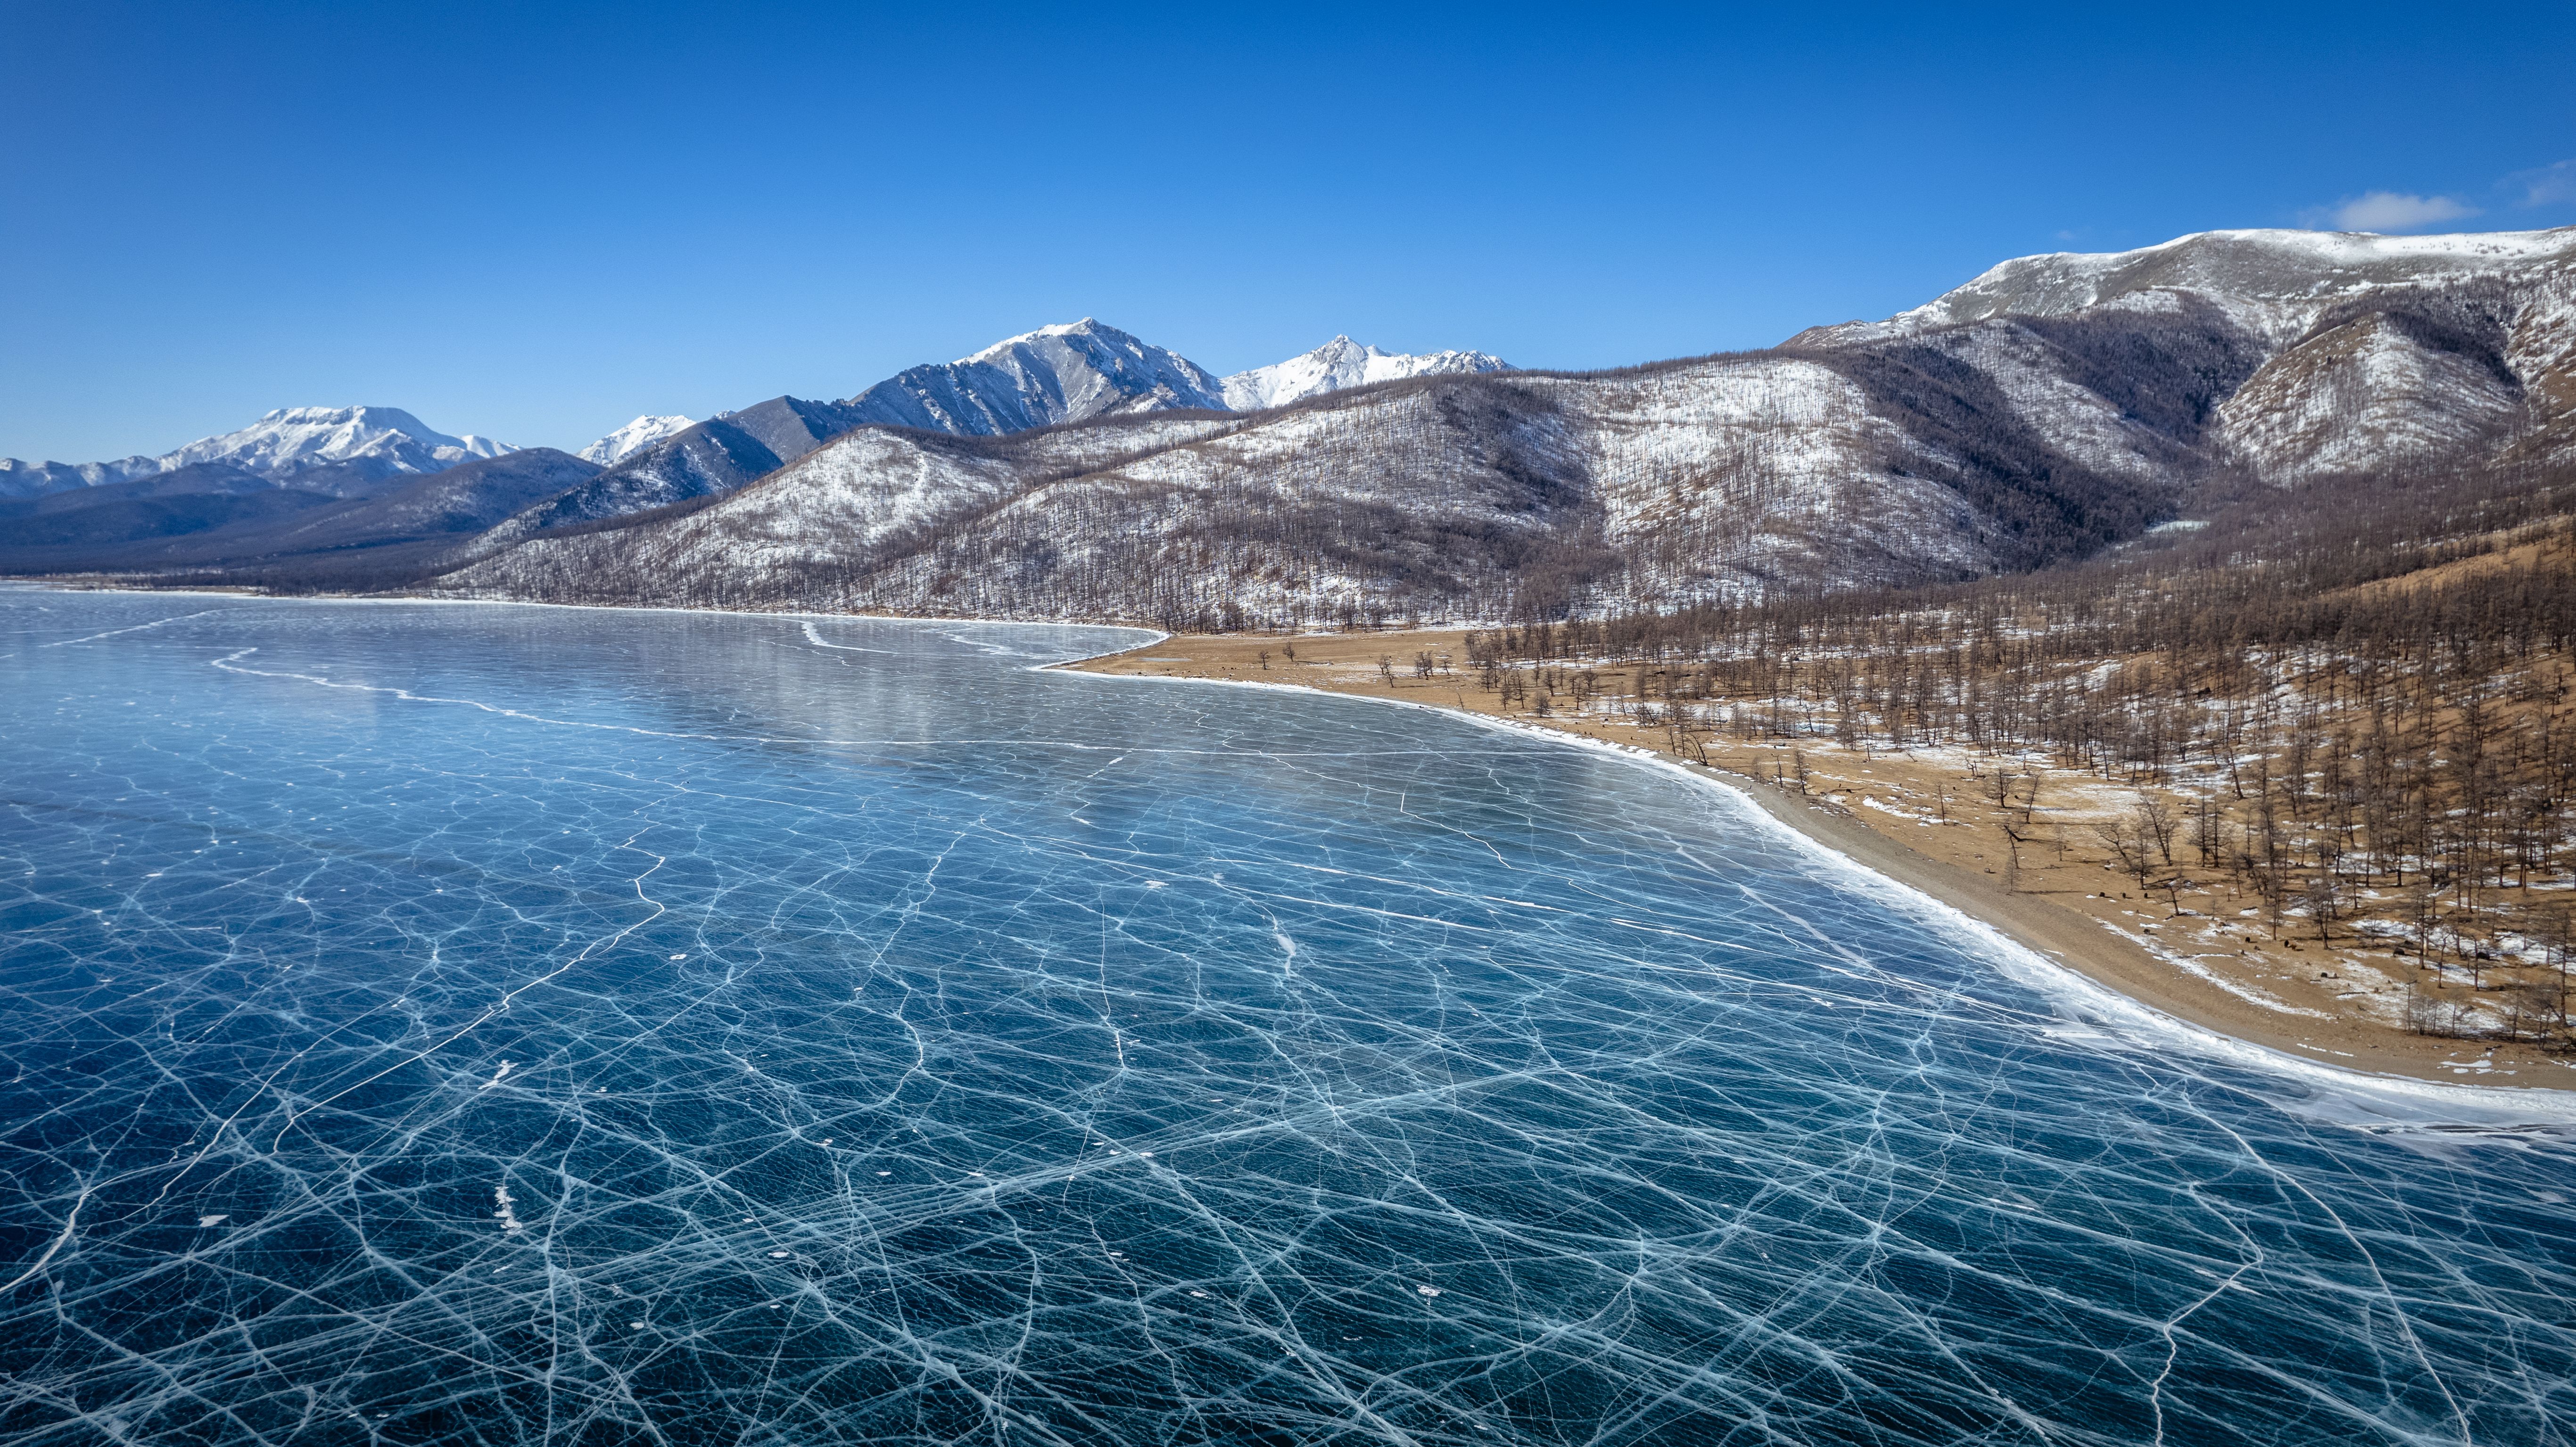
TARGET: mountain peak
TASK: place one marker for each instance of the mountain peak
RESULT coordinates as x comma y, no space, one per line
283,442
1342,363
1088,326
1066,372
634,437
287,439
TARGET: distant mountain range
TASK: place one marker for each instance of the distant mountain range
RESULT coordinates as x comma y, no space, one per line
1078,372
381,441
2047,410
1055,374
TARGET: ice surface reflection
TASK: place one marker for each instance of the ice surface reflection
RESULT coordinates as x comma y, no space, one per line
456,1024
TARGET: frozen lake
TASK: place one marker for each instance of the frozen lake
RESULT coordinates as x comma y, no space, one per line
455,1024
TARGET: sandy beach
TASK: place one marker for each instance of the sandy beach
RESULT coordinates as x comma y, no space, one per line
1918,818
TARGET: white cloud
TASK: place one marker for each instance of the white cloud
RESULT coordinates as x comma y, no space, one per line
2548,185
2393,211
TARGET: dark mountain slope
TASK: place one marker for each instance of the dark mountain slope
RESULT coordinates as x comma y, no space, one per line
715,456
259,532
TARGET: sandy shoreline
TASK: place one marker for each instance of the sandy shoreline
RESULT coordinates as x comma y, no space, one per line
2083,943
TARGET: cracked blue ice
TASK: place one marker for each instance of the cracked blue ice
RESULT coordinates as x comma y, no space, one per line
476,1024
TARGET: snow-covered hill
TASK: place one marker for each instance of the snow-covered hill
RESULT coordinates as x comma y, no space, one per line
1446,496
2276,282
2373,351
380,440
1067,373
1342,363
634,437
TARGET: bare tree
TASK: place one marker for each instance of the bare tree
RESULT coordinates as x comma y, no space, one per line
2159,818
2128,851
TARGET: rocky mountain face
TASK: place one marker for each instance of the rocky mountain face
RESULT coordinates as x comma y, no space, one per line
1069,373
714,456
376,442
2376,351
1342,363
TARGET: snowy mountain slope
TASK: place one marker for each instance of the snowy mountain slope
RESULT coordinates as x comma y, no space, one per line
2279,281
1054,375
1342,363
710,457
1067,373
2374,351
851,495
2403,377
1049,377
1445,496
462,501
790,427
37,479
381,441
1070,521
1855,456
634,437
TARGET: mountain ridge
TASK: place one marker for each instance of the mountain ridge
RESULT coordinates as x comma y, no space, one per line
1342,363
283,442
2047,411
1070,372
2037,426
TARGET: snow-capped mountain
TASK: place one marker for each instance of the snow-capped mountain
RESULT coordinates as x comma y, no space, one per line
378,440
2052,408
296,437
1068,373
634,437
1071,373
1342,363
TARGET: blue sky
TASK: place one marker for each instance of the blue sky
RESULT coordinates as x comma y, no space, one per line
535,222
